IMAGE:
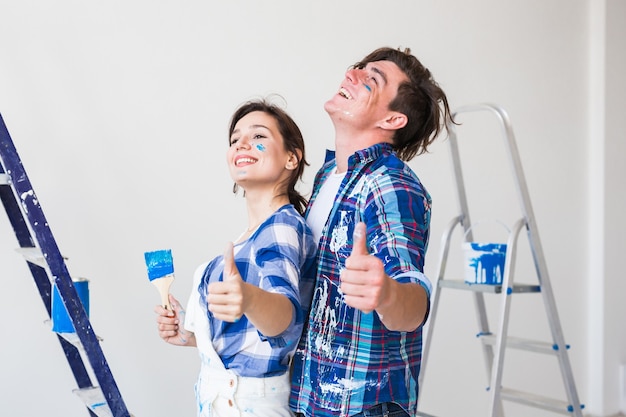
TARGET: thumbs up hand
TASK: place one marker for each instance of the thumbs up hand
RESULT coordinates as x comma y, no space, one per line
364,283
227,298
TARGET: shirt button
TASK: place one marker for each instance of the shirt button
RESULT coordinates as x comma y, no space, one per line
230,402
231,383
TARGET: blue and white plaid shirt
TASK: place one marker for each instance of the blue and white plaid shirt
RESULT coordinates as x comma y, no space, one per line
347,360
272,258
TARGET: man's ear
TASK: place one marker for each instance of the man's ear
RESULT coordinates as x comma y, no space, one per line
394,121
293,161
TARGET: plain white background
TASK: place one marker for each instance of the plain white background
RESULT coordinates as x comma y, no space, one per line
119,110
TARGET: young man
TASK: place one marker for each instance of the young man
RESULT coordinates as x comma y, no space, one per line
361,349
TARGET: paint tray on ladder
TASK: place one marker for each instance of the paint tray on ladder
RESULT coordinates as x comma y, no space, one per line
484,261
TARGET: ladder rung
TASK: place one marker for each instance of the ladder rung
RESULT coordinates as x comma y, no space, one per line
494,289
72,338
5,179
537,401
522,344
94,400
33,255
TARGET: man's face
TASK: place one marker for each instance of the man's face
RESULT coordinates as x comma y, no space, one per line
364,95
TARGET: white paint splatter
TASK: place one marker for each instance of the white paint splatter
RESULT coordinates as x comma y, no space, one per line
339,237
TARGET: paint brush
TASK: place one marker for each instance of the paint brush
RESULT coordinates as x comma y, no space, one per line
161,273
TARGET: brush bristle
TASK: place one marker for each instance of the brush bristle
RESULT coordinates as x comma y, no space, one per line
159,263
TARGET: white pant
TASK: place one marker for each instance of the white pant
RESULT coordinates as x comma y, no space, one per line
221,393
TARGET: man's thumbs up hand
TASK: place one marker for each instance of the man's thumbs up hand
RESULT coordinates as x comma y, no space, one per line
359,240
226,298
364,282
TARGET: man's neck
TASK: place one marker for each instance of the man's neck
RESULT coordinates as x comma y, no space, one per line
346,144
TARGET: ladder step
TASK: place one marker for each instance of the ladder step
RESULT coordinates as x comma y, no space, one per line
5,179
94,400
93,397
523,344
72,338
494,289
536,401
33,255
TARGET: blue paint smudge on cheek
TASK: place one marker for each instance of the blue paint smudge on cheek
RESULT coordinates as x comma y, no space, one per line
260,147
368,88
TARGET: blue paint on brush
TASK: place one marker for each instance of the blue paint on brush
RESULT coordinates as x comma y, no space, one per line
159,263
161,273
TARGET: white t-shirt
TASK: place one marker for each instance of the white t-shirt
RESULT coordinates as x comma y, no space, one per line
320,210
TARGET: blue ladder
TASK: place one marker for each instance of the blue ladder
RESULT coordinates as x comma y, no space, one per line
47,267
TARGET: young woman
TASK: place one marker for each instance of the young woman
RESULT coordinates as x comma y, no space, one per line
246,311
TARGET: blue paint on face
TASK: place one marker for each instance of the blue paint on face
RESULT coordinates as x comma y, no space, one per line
368,88
260,147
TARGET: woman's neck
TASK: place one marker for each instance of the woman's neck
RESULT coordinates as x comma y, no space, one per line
261,206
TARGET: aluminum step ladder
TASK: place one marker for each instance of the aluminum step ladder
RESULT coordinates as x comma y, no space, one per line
494,344
47,265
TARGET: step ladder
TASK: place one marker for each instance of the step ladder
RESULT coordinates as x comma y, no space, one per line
47,266
495,344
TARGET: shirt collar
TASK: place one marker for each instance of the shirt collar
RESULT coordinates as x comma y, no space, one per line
364,156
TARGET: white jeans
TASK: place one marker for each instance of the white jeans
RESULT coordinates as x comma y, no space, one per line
222,393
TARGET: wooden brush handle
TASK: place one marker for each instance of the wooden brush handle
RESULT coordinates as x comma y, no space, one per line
163,285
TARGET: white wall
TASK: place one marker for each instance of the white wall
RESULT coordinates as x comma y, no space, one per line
607,203
119,110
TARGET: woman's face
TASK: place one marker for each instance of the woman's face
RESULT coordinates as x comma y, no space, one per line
257,156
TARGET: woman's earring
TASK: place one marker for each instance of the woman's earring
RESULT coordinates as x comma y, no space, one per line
235,188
